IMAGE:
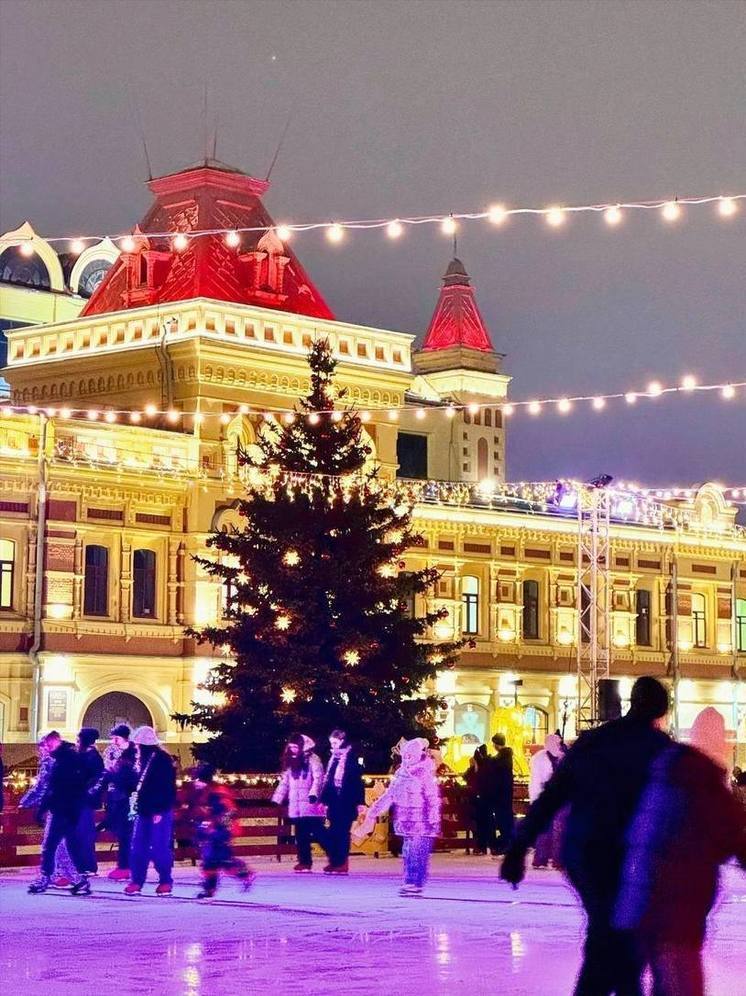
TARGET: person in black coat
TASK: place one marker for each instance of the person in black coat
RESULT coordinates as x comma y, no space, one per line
688,824
119,782
502,798
480,781
152,805
91,769
601,780
343,794
63,800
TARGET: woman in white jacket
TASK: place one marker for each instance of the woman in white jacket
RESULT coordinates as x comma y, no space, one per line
300,784
543,765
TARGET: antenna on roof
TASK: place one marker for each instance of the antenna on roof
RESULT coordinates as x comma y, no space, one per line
215,140
140,130
204,126
279,146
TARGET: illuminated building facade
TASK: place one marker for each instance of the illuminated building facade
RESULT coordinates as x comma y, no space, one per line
101,514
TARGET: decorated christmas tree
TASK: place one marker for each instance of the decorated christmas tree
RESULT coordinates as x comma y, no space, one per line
320,629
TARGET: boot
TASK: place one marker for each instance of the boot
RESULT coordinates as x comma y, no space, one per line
342,869
40,885
119,874
81,887
302,868
132,889
164,889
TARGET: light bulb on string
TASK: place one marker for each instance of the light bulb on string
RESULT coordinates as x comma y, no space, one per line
77,246
288,418
172,415
65,413
599,403
727,207
728,392
135,417
150,410
564,405
655,389
613,215
555,216
450,411
127,244
26,248
534,408
283,233
314,418
508,409
225,418
92,415
473,409
448,225
497,214
232,239
110,417
336,415
335,232
630,397
394,229
671,211
688,383
180,242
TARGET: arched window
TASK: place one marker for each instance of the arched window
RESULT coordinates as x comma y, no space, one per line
7,573
531,610
483,459
96,583
143,587
27,270
470,602
699,619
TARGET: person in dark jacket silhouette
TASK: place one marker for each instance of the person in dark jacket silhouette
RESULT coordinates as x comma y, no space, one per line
152,805
62,800
688,824
91,770
601,779
119,782
480,782
343,794
502,803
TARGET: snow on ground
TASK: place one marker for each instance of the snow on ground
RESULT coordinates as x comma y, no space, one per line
313,935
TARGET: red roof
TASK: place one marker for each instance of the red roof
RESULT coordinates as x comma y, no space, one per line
457,320
261,270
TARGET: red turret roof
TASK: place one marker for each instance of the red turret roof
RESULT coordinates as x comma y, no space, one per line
456,320
261,270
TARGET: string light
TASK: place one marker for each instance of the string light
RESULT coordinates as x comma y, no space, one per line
655,389
180,242
288,695
508,409
232,239
291,558
728,392
612,212
534,408
110,417
564,405
394,229
630,397
599,403
282,622
151,410
77,246
671,211
688,383
351,658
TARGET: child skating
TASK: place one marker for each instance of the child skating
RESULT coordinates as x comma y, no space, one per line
213,811
415,796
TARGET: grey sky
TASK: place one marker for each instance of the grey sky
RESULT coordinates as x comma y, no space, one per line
407,108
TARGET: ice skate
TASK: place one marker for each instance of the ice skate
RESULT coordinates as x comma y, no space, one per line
119,874
410,890
303,869
39,886
164,889
82,887
132,889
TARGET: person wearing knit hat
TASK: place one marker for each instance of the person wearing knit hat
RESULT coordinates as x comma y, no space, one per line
599,781
151,806
300,786
92,768
119,782
687,825
415,793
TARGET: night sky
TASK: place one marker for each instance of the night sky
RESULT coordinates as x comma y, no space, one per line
414,108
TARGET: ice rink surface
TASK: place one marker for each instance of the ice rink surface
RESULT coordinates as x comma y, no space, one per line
290,934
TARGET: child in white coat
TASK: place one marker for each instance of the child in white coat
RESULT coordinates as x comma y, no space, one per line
300,784
415,795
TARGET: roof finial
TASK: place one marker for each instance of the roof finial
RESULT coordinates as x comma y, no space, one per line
455,245
279,146
204,126
140,130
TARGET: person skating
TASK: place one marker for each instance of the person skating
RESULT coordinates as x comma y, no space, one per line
415,796
343,795
63,800
541,768
91,769
119,782
601,779
688,824
213,811
64,870
152,805
480,780
502,800
300,785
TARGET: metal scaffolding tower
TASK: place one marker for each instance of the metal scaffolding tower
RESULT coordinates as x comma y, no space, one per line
593,600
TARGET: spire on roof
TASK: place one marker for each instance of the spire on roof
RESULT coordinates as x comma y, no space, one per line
457,320
209,195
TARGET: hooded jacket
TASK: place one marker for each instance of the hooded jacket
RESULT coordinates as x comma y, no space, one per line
298,786
65,788
414,794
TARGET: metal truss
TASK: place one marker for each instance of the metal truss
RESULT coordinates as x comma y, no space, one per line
593,600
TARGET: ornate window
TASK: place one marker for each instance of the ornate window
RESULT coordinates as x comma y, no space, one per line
642,623
96,583
470,603
143,587
7,573
531,610
699,619
483,458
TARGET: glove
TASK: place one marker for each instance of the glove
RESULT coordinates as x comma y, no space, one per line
513,868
